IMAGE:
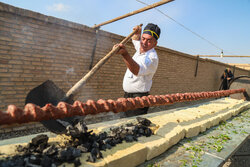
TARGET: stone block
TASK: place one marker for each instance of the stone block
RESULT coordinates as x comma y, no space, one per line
155,145
192,129
215,120
126,154
173,132
205,124
225,116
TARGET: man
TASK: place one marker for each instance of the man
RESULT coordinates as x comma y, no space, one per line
226,77
142,66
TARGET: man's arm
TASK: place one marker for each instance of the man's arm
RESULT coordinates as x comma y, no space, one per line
130,63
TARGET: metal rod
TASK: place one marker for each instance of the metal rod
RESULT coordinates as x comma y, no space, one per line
134,12
196,69
94,48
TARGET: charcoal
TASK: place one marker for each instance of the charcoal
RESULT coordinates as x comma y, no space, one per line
129,138
81,126
94,151
75,152
39,153
103,135
39,140
77,162
118,140
41,147
148,132
53,165
103,147
87,145
136,128
143,121
95,145
46,161
7,163
141,131
32,161
93,155
30,148
77,128
51,150
135,138
64,155
91,158
107,140
112,143
16,161
19,161
84,137
99,154
82,148
108,146
68,154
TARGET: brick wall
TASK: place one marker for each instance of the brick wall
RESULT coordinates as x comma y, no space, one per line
35,48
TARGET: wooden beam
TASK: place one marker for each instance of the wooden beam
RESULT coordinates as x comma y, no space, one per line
222,56
134,12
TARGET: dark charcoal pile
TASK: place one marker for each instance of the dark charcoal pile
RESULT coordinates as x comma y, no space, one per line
39,153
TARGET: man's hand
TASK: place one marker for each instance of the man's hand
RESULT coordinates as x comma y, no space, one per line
122,51
137,35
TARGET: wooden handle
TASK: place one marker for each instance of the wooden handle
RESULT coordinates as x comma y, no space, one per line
75,89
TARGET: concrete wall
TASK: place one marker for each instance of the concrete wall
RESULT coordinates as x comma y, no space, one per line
35,48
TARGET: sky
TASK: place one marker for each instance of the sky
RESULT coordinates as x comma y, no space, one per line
200,27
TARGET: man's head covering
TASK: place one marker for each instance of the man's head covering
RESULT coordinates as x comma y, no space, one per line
153,30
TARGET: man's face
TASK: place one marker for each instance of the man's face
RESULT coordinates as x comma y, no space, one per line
147,42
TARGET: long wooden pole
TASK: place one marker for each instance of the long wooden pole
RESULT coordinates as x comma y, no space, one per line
75,89
134,12
220,56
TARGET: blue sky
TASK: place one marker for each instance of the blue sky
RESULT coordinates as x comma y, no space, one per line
224,23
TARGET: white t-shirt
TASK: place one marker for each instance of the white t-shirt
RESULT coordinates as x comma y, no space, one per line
148,63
